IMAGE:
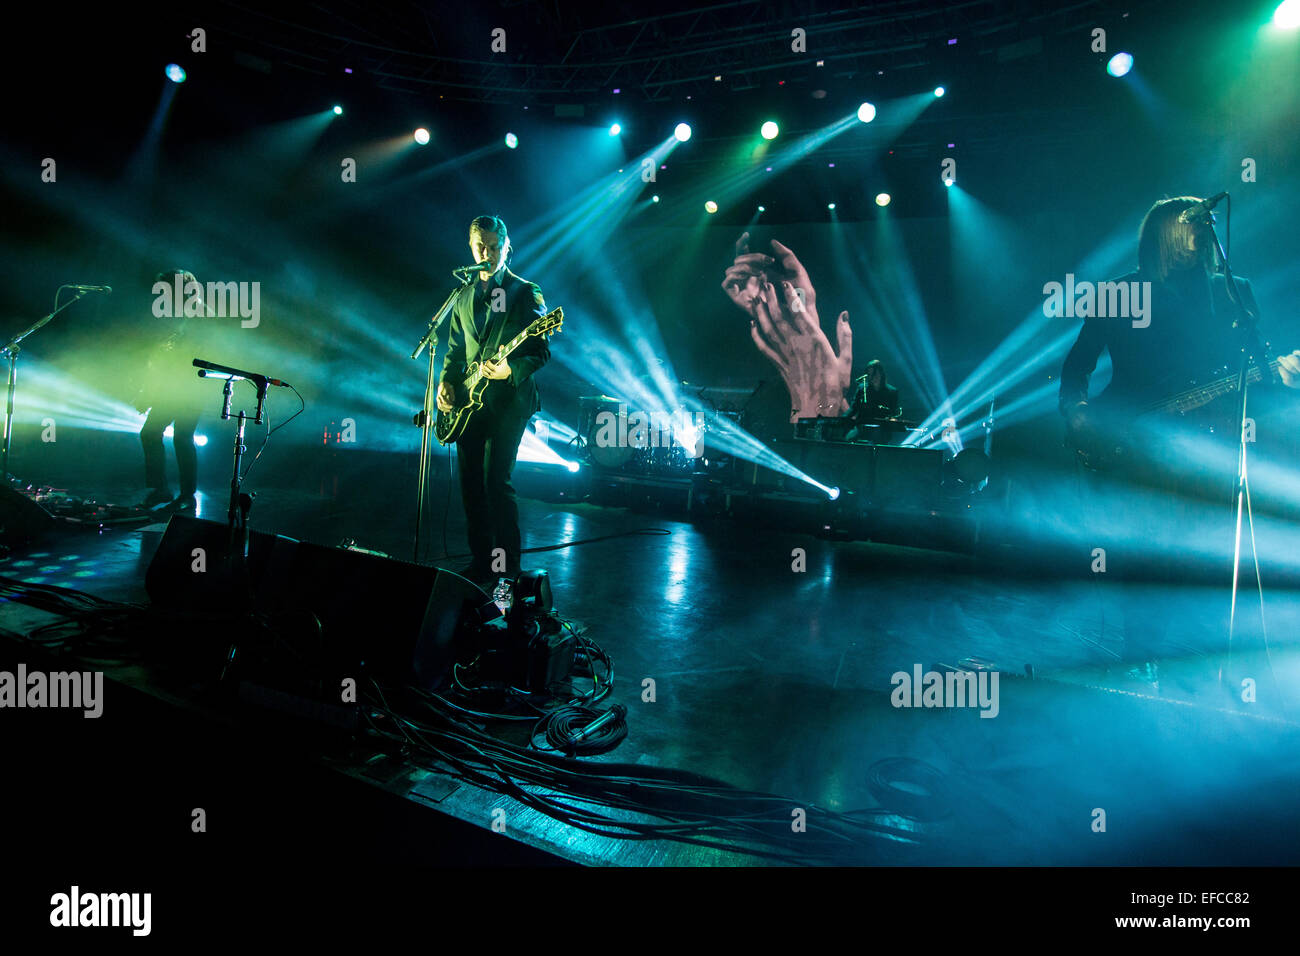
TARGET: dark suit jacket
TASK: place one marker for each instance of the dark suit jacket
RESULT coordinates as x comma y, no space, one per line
475,334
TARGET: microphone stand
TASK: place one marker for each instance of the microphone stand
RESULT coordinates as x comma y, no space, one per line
11,349
1251,348
425,419
240,504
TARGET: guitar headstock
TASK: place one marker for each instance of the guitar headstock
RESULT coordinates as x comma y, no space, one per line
548,324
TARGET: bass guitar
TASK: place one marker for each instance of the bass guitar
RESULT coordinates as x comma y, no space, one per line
1111,440
449,426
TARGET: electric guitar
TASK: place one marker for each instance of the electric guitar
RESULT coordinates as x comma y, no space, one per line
450,426
1110,440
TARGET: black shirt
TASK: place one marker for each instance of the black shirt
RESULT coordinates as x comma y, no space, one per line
1189,339
870,403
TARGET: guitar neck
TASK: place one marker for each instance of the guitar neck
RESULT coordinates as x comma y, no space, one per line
1196,397
504,352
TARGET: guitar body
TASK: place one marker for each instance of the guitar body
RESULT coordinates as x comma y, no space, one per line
449,426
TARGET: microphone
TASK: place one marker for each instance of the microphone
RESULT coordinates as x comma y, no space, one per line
91,288
236,373
1199,212
476,267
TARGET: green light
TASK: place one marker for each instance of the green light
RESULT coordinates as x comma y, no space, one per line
769,130
710,207
866,113
882,199
939,91
1287,15
338,111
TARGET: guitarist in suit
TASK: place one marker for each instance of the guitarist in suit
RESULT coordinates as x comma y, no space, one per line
488,313
1186,334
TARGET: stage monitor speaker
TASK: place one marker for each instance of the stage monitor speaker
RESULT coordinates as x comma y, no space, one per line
845,465
22,521
397,620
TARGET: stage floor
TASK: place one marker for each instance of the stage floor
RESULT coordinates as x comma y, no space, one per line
780,680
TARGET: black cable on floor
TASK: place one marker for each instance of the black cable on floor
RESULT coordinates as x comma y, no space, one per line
582,731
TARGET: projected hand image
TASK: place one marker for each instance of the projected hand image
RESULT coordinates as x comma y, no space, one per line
782,305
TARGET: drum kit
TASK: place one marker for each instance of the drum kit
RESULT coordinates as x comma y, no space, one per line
667,443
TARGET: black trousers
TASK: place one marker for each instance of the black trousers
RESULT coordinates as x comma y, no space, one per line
184,422
486,455
1163,516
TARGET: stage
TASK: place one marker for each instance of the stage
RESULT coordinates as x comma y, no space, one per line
792,696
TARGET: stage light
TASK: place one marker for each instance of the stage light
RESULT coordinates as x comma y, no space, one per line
769,130
949,180
830,206
654,198
866,112
615,129
573,466
682,132
833,494
939,91
1287,15
175,73
1120,64
422,136
762,209
710,207
338,111
200,440
882,199
512,140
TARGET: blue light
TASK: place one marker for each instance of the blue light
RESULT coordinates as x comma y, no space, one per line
175,73
338,111
939,91
866,112
512,140
833,493
615,129
1120,64
572,466
682,132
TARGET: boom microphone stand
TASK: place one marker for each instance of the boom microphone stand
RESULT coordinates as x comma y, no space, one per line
240,504
424,418
11,350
